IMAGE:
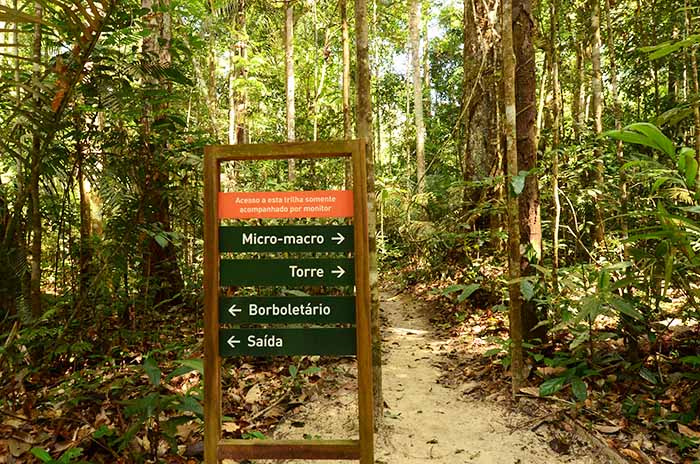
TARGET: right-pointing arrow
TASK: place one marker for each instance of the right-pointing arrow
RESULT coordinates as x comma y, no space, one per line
339,272
232,342
233,310
338,239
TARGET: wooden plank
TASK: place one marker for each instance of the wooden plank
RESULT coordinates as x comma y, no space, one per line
301,150
212,361
289,449
362,301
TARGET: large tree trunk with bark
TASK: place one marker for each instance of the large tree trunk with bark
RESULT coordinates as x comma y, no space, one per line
529,198
479,154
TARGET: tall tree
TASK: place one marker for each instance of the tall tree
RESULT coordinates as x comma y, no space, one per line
556,130
35,170
529,198
414,23
345,83
163,280
289,78
364,131
478,96
597,94
514,256
693,77
238,56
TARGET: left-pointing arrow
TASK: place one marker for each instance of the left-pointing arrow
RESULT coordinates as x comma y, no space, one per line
233,310
232,342
339,271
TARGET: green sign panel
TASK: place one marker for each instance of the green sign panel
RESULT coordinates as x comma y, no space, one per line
286,238
281,310
287,342
291,272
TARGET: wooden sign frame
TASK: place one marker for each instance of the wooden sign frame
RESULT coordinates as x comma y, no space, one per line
215,448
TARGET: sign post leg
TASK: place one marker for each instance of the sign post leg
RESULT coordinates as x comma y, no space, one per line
362,297
212,360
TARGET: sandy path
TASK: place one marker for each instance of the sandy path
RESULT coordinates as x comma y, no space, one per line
425,421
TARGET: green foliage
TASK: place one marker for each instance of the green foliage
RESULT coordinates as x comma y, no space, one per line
147,410
68,457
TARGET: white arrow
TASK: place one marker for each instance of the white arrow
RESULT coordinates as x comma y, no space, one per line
233,310
340,272
339,238
232,342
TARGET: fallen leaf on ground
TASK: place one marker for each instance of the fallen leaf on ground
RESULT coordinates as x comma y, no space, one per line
254,394
687,431
608,428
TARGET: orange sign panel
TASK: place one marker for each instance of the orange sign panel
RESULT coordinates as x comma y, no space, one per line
300,204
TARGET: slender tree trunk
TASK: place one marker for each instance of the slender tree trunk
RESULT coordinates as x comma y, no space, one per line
232,132
617,112
289,79
35,174
579,95
427,100
597,91
414,22
85,259
347,117
529,199
509,80
546,69
694,79
556,108
364,131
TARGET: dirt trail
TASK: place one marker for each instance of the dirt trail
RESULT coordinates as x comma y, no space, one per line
426,421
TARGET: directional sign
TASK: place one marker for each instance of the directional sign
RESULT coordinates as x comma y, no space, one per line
301,204
292,272
280,342
281,310
286,238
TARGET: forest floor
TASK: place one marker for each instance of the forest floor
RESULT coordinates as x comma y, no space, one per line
432,415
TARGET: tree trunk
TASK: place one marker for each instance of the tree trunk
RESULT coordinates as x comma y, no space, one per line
694,79
529,199
85,259
163,280
478,102
556,108
597,94
414,22
427,100
617,112
579,94
289,79
35,174
509,95
347,118
364,131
